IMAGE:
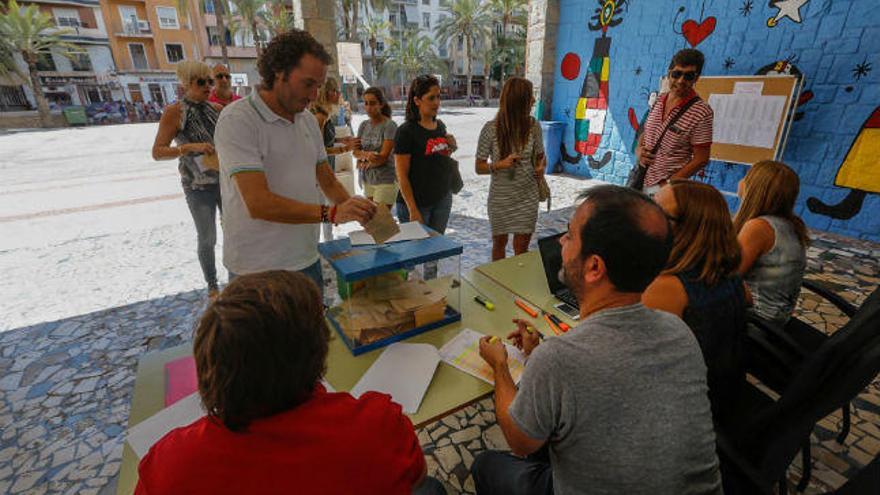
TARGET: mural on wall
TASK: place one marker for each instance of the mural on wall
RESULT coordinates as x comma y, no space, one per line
695,32
790,9
746,8
592,106
862,69
787,68
859,172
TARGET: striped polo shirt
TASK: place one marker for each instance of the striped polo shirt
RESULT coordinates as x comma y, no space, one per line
693,129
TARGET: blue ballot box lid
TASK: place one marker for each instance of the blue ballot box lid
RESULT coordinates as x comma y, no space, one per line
360,262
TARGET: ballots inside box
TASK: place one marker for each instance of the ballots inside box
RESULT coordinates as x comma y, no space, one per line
392,291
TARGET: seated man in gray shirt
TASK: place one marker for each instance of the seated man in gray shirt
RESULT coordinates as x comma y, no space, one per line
620,401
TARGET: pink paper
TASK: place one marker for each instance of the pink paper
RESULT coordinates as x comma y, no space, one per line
180,379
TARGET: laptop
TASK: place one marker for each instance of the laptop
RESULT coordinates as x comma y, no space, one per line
551,258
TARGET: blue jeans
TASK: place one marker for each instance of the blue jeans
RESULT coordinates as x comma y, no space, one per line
435,216
502,473
312,271
203,206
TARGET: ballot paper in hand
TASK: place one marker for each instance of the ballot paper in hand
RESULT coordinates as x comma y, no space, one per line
403,371
207,162
382,226
408,231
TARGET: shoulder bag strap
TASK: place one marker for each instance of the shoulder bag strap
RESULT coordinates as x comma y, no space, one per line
672,122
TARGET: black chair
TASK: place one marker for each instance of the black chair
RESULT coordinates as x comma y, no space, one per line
865,482
775,355
758,448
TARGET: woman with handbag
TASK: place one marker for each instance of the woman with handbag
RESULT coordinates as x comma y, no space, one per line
425,171
678,131
511,150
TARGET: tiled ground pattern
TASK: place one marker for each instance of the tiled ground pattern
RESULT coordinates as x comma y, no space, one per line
65,386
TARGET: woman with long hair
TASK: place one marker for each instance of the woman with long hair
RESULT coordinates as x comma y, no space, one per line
190,122
511,150
421,157
701,285
376,136
773,239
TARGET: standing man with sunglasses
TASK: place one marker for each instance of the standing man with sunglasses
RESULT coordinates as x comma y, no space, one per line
222,94
677,135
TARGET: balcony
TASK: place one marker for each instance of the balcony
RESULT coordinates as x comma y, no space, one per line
79,29
134,29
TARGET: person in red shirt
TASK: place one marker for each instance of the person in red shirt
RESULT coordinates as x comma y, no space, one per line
271,426
222,94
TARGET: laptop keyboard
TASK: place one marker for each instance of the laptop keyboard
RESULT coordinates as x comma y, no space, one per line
568,298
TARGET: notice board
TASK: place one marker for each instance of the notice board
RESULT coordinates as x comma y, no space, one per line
752,115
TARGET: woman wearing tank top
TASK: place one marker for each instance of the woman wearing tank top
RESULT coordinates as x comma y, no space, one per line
773,239
701,286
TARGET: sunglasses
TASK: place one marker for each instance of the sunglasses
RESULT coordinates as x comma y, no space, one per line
202,81
689,76
222,76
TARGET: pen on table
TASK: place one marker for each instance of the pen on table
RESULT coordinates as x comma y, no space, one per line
523,306
553,327
559,323
484,303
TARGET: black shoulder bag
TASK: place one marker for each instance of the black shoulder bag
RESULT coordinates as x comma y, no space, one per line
636,178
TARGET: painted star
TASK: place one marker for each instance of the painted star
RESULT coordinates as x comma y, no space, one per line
746,8
638,70
862,69
729,63
787,8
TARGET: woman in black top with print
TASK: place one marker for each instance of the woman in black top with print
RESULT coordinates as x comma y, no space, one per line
421,151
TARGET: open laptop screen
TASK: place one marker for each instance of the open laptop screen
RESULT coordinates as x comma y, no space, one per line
551,258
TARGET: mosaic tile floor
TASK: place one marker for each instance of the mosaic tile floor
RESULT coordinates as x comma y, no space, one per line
65,385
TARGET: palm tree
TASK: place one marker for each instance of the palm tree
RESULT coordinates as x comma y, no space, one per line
412,55
351,10
277,18
373,30
469,20
251,14
31,33
510,12
221,8
509,55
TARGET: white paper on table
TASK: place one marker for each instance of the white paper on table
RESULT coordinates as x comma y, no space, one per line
463,353
409,231
184,412
327,386
748,87
402,371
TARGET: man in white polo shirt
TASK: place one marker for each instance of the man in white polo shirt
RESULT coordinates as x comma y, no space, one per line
272,163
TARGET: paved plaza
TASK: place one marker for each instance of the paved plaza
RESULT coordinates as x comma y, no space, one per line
97,254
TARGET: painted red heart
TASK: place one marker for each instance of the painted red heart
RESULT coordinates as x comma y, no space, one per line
695,33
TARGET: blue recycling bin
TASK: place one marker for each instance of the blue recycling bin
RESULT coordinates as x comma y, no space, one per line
552,132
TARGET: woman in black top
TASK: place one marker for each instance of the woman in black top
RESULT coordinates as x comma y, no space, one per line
421,155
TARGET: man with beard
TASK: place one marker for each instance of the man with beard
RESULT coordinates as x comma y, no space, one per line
620,401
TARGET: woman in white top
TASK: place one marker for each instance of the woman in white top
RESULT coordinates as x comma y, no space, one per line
773,239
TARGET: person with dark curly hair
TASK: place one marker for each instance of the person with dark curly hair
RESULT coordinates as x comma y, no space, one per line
260,351
273,166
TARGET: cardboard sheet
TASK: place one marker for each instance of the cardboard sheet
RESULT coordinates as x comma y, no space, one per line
404,371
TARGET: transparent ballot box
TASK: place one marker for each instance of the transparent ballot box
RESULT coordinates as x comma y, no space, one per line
389,292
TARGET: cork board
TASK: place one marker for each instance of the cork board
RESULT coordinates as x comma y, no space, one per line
786,86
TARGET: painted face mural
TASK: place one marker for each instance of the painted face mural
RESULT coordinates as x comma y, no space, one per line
592,106
860,172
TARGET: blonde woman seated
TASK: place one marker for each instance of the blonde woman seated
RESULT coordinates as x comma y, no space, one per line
773,239
701,285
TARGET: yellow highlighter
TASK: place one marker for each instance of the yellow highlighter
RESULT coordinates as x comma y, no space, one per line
493,339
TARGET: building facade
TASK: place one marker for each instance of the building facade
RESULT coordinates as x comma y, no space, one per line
81,80
148,38
241,48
